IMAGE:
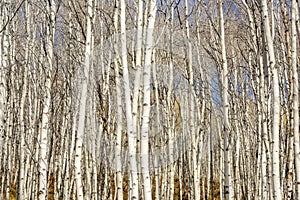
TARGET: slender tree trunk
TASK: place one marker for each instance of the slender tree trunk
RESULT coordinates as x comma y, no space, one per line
131,133
295,97
118,145
136,97
170,111
146,104
156,130
3,93
43,160
83,99
22,165
225,106
276,103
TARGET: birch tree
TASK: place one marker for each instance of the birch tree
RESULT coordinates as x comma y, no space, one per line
276,103
119,111
22,191
43,160
84,80
131,133
209,91
146,104
225,107
4,51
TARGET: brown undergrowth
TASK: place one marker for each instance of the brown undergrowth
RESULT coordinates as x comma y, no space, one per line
184,190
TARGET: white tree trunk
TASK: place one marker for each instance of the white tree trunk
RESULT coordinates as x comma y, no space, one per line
84,79
145,170
22,191
43,158
170,112
136,97
11,94
3,92
225,106
276,104
119,126
156,129
131,133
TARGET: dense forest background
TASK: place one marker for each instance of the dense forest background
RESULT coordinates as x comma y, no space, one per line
149,99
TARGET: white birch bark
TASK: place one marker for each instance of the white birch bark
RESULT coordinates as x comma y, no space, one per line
131,133
3,92
11,94
138,63
237,135
170,112
76,108
265,147
136,98
36,110
68,155
118,145
194,144
43,159
4,60
156,130
225,107
146,103
189,45
276,103
83,99
22,191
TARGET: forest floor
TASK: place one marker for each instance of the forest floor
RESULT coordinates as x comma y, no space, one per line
183,191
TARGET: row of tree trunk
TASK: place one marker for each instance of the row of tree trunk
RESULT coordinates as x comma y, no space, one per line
138,99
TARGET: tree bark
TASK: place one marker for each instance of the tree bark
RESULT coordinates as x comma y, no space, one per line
43,159
276,103
295,97
131,133
145,156
84,80
225,107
